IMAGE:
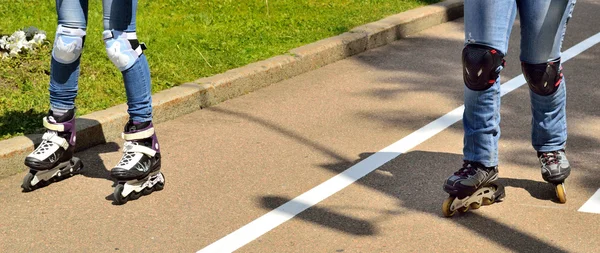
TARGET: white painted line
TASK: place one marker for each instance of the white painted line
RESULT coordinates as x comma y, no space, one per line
278,216
592,205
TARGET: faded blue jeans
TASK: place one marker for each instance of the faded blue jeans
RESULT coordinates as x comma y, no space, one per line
543,25
118,15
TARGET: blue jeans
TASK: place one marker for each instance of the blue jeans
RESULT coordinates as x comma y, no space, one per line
118,15
543,25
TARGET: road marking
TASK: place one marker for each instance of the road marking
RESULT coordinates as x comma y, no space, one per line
592,205
278,216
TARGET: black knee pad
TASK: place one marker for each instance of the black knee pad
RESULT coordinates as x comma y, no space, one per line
481,66
543,78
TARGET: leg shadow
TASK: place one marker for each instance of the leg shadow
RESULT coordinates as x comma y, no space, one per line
416,178
537,189
322,216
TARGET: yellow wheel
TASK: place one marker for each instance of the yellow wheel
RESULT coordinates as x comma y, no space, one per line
487,202
561,193
475,205
446,207
464,209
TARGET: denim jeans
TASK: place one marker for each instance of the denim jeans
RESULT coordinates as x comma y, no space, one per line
118,15
543,24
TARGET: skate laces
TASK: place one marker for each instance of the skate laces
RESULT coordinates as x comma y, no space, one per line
46,143
127,153
467,169
549,158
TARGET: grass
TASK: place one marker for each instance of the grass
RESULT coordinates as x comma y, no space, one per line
187,40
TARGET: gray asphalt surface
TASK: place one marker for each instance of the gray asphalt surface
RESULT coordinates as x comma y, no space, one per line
229,164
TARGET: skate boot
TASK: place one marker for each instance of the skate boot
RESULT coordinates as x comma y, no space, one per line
470,187
555,169
53,159
138,172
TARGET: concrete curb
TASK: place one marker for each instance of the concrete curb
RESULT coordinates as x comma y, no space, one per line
106,125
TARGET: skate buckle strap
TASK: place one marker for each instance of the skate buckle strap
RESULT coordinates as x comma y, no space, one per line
54,138
139,135
53,126
139,149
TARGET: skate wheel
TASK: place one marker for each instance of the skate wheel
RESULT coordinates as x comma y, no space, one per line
561,193
160,185
447,206
475,205
119,199
147,191
134,195
27,187
76,166
463,209
487,202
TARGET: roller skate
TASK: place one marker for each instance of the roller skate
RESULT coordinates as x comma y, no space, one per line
138,172
53,159
555,169
471,187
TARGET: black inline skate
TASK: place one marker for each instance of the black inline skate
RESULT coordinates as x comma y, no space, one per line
53,159
138,172
470,187
555,169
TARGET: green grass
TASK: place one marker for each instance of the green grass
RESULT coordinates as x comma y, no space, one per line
187,40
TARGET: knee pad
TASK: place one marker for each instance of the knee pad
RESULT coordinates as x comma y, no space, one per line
481,66
68,44
123,48
544,78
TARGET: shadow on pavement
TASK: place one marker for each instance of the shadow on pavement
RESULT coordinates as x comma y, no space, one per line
414,175
94,164
537,189
418,173
324,217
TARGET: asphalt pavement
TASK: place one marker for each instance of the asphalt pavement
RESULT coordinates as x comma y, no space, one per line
228,165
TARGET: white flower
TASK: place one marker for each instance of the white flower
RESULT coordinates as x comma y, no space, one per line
11,46
39,38
3,42
19,35
16,46
29,45
14,53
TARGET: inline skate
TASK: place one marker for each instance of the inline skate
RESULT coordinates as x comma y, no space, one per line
471,187
555,169
53,159
138,171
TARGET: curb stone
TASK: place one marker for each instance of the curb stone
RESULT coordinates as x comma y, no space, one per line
105,126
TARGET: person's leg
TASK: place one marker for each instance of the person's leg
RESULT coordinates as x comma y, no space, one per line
125,52
55,152
488,24
543,26
66,53
138,171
